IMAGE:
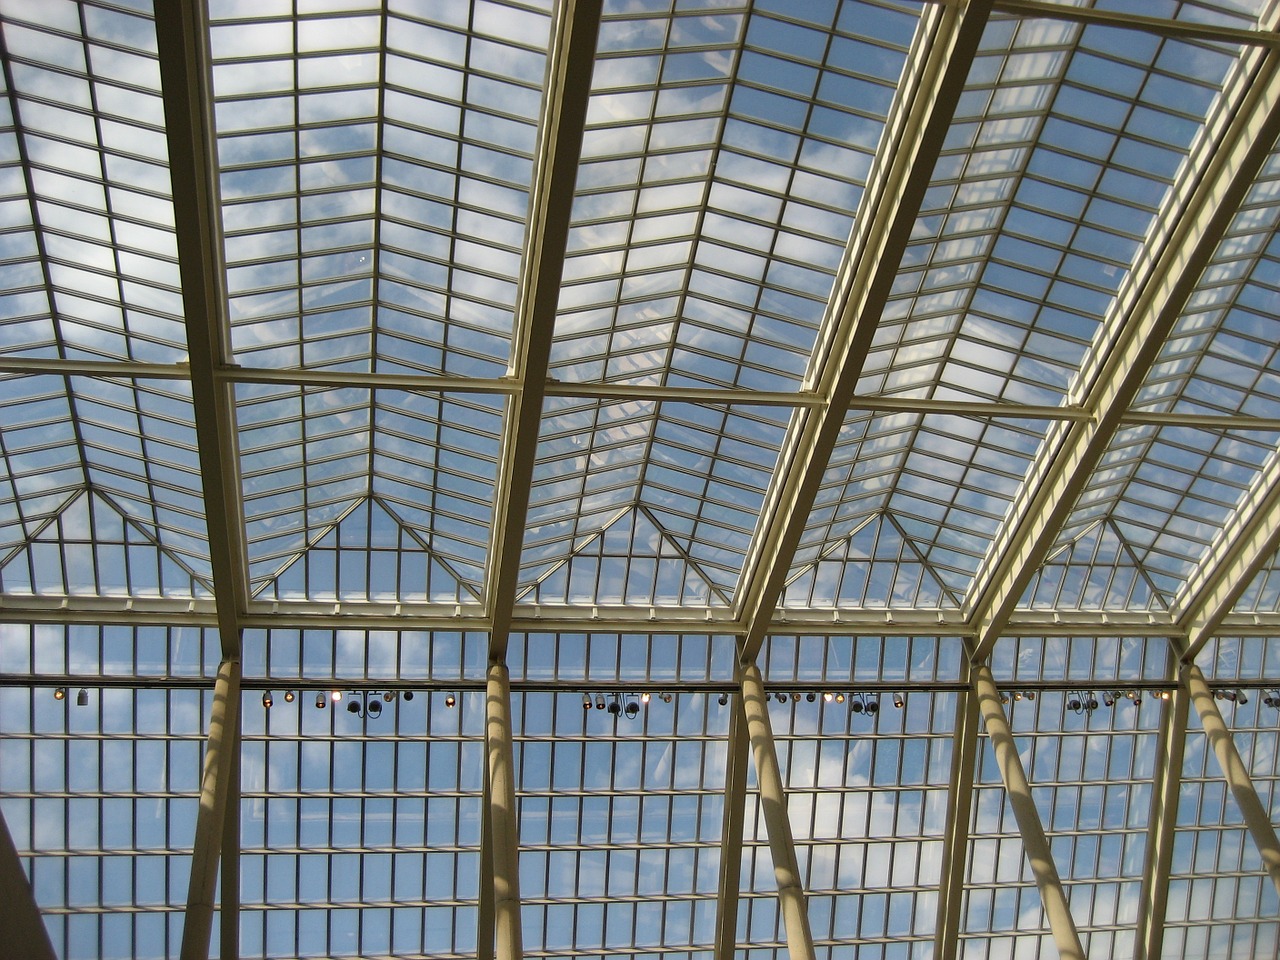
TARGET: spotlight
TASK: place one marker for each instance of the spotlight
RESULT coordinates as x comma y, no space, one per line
388,696
795,698
1074,705
644,697
632,709
1031,694
615,705
873,707
780,697
898,701
856,706
666,698
724,699
1108,700
82,698
288,696
450,700
353,706
599,701
374,708
586,701
1093,703
839,698
321,700
59,693
408,695
266,699
1017,695
335,696
811,696
1241,697
828,696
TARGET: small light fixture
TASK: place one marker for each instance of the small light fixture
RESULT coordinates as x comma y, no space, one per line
666,698
266,699
599,701
374,708
780,697
856,706
644,697
828,696
724,699
288,696
615,704
388,696
59,693
839,698
321,700
408,695
795,697
873,705
82,698
450,700
631,709
335,696
897,700
586,701
811,696
353,706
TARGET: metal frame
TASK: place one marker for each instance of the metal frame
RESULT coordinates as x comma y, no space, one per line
1223,165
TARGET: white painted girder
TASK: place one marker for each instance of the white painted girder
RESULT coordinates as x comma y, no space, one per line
182,34
933,78
1223,165
571,56
1245,545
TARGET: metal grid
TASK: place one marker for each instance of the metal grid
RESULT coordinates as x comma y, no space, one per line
395,348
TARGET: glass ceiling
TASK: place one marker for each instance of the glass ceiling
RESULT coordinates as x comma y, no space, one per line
722,480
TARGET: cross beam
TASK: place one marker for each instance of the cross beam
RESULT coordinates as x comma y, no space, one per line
1229,155
932,81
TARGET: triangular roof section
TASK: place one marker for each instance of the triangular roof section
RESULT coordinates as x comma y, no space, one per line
369,553
91,545
633,560
1097,570
876,566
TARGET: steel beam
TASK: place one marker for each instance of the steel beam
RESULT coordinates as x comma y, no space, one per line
229,912
936,69
773,803
1162,825
504,827
735,802
1034,841
182,32
955,842
1232,149
570,60
1256,817
215,787
1244,546
23,935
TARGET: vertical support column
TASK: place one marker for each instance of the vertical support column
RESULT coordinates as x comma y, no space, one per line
1255,814
503,826
1034,841
229,918
219,758
735,800
1166,779
773,801
23,935
955,849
